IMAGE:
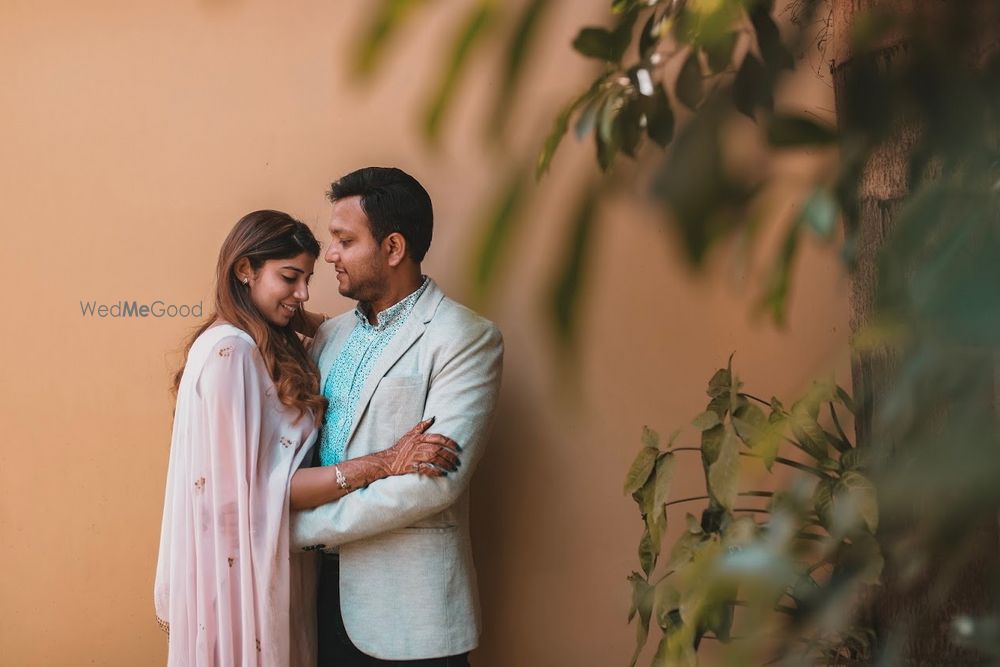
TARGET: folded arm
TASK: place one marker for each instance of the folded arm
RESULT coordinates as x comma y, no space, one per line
428,454
462,396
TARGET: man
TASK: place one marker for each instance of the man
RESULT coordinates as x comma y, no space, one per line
402,588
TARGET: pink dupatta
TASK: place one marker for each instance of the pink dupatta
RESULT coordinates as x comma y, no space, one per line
228,591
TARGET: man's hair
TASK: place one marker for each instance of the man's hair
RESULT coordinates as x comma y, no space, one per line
394,202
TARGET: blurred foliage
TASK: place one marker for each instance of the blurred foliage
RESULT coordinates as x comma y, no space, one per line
764,588
919,96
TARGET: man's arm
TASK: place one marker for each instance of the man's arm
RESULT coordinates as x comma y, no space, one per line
462,396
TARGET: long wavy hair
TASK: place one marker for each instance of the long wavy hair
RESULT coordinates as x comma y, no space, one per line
260,236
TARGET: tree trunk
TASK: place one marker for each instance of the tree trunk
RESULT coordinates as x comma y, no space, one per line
912,621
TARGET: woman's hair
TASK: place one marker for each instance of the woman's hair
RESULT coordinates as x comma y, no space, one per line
260,236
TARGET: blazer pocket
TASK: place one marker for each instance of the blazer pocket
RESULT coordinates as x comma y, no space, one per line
400,382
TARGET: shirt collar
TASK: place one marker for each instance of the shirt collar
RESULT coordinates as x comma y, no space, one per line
396,312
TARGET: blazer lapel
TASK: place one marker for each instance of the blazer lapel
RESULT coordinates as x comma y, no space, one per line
408,334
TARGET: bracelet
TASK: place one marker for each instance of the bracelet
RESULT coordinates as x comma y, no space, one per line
341,480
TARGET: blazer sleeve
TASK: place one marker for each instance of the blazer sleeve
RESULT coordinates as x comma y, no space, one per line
462,396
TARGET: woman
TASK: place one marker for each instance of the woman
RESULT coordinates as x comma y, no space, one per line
228,592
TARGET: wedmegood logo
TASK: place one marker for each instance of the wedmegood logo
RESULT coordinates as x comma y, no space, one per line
121,309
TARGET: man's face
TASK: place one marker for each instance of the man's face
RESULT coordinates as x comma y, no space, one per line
361,264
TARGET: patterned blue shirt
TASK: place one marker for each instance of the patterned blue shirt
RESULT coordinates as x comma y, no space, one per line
352,367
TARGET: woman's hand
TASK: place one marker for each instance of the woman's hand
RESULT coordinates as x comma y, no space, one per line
417,451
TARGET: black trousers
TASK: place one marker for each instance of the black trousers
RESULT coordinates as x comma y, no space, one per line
336,648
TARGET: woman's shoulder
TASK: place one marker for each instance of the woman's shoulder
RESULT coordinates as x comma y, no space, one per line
219,348
224,337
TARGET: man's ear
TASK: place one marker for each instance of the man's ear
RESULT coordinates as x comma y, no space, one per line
395,247
243,270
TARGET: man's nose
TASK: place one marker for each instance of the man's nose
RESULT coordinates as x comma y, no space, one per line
331,255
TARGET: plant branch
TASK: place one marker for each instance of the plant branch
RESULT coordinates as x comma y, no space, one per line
792,464
756,398
685,500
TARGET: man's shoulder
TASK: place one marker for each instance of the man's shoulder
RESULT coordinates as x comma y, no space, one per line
455,319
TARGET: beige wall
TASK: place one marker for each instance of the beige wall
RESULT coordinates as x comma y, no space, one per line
134,134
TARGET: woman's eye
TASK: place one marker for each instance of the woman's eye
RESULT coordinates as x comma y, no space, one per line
289,279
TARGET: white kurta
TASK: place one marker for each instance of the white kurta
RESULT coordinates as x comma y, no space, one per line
227,585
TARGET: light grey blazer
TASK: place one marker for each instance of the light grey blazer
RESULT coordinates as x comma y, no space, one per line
407,581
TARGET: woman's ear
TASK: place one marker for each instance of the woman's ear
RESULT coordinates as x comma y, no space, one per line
395,248
243,270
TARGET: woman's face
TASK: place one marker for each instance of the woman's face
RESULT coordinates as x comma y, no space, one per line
281,286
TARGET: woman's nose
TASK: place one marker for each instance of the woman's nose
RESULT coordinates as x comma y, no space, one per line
302,292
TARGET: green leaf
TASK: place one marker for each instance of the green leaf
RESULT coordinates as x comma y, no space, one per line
808,432
650,36
562,123
775,298
674,650
720,383
587,119
752,88
644,497
723,475
685,549
595,43
719,53
647,559
706,420
767,438
665,600
659,117
820,213
854,498
689,87
641,469
748,419
498,228
719,619
769,39
628,127
823,502
516,54
471,31
846,400
640,588
608,141
711,445
664,478
642,602
650,438
385,22
854,459
566,290
794,131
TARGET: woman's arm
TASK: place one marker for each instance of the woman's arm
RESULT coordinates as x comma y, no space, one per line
416,452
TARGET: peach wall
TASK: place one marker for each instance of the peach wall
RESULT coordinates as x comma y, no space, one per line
134,134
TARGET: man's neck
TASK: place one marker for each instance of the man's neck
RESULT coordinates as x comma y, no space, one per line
395,294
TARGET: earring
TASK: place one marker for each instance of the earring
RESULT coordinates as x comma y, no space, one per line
246,280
